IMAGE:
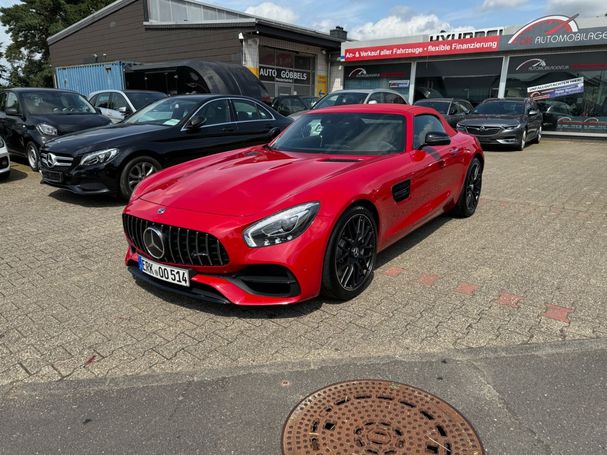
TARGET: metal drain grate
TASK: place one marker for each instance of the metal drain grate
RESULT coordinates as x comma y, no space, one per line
373,417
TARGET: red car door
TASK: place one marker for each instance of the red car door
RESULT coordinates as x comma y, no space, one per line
417,184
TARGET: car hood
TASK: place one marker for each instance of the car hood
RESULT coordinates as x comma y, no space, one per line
491,120
246,182
70,123
119,135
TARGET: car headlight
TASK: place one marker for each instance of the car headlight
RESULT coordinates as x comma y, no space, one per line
281,227
99,157
1,143
512,127
46,129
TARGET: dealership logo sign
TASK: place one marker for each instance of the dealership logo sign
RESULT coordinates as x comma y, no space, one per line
538,64
446,36
548,26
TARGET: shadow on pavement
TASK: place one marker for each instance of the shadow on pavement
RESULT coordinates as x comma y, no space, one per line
84,200
15,176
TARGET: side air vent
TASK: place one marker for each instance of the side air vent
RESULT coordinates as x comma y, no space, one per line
401,191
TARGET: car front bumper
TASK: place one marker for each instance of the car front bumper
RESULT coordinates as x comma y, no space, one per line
502,137
92,180
281,274
5,163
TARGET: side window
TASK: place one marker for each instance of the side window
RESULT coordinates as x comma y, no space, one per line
2,100
248,110
393,98
93,100
422,125
103,101
12,102
376,97
215,112
118,101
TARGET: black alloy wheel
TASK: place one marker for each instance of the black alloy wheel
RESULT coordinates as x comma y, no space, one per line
134,172
471,192
351,254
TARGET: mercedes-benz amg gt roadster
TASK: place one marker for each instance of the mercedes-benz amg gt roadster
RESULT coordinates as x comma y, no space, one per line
304,215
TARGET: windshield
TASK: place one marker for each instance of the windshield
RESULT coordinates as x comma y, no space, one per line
338,99
51,102
168,111
440,106
500,108
142,99
344,133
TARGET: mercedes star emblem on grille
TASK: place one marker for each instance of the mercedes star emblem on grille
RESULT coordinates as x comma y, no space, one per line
154,243
482,128
161,210
51,160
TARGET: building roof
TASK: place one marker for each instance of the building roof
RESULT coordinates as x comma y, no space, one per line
225,18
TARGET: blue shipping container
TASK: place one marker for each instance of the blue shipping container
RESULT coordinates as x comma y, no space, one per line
85,79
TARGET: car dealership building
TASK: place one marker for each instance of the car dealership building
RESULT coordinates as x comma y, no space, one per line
560,61
287,59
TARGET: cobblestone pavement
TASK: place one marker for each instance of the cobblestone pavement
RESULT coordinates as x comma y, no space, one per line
529,267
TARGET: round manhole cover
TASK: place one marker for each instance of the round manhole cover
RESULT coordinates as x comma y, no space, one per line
374,417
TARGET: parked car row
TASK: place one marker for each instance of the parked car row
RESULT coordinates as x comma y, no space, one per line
224,208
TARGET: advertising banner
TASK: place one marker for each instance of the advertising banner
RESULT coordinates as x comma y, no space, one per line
557,89
546,32
399,84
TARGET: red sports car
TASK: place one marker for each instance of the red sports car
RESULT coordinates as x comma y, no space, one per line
304,215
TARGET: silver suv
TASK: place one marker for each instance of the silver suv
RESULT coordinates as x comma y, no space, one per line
117,104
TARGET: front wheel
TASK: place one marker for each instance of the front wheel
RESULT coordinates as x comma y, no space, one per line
471,192
350,255
522,142
33,157
134,172
539,135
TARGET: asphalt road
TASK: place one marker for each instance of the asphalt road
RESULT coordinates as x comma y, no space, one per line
535,399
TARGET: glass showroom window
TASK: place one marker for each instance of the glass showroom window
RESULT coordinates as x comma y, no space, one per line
570,89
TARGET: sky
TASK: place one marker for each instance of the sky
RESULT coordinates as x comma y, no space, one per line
365,19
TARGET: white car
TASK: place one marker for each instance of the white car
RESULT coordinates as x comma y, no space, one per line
356,96
5,161
117,104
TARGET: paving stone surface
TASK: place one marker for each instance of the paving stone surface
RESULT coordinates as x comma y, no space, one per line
529,267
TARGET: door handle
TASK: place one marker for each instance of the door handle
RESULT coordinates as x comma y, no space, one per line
454,150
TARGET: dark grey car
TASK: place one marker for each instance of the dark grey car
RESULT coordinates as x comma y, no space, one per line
507,121
453,109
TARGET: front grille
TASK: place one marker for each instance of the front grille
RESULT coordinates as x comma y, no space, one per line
483,131
181,246
51,160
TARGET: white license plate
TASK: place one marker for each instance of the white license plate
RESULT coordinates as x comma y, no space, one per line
164,272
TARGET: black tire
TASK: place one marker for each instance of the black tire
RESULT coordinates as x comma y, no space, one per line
32,155
134,171
522,142
471,192
350,257
538,138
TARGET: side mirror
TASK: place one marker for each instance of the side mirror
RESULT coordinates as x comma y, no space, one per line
196,123
12,111
98,110
533,112
274,132
435,138
124,110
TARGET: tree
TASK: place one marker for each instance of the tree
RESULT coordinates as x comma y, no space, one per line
29,24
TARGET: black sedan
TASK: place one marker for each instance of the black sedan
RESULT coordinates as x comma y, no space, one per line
30,117
114,159
453,109
508,121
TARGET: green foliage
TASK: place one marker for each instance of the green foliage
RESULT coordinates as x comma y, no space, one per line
29,24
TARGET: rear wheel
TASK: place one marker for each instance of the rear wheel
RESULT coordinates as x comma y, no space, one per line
33,157
350,255
539,135
471,192
134,172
